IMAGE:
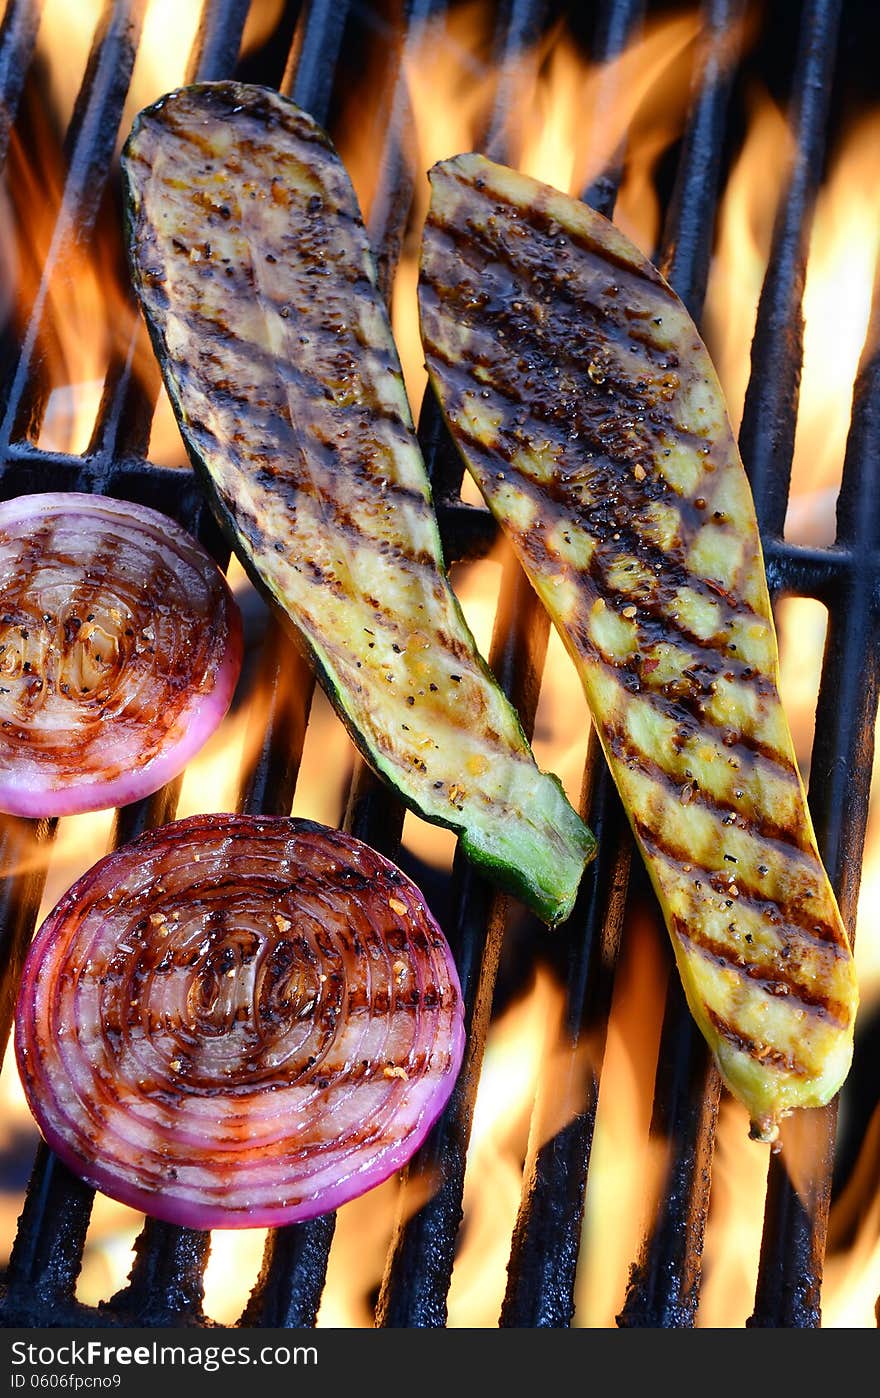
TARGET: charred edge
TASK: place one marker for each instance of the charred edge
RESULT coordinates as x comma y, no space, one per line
537,213
228,100
772,979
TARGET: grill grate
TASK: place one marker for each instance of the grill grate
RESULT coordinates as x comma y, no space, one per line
305,55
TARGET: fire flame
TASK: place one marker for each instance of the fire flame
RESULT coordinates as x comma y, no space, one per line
567,121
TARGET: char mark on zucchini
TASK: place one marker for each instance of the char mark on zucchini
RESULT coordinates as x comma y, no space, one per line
252,265
588,411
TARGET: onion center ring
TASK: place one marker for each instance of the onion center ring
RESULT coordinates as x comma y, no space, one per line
239,1021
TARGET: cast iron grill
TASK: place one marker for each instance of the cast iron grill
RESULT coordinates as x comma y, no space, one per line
312,52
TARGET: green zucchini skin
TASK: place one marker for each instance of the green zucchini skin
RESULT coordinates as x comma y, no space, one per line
251,263
588,411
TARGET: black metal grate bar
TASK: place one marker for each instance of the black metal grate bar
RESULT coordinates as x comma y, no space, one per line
663,1289
18,37
770,410
89,151
314,56
122,430
419,1267
546,1238
796,1222
35,1277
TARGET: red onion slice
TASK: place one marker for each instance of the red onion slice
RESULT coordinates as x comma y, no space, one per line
239,1021
120,648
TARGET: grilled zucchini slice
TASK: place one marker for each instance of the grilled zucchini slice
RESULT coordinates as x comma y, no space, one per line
252,266
588,411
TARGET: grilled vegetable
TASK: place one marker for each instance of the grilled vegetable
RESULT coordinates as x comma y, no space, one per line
120,648
252,265
589,413
239,1021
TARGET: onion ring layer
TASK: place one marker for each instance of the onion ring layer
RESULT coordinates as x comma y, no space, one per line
239,1021
120,648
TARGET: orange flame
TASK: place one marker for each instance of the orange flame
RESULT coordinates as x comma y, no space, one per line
745,227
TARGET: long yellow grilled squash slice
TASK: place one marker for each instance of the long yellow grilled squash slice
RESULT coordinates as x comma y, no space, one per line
252,266
588,411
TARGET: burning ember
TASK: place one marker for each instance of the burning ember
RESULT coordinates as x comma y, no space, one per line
69,320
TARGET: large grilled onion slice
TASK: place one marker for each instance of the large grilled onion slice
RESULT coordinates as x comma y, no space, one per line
238,1022
120,648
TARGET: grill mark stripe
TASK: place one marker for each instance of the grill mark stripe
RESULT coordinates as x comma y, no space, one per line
636,544
586,512
679,712
825,937
450,248
761,972
580,238
552,340
455,366
763,1054
763,828
278,481
310,386
461,363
